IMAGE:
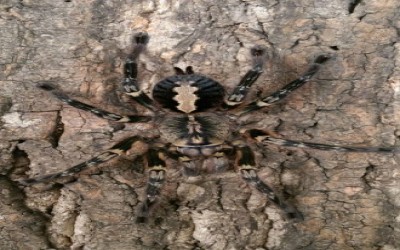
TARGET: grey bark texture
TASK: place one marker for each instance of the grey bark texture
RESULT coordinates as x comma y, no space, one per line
349,200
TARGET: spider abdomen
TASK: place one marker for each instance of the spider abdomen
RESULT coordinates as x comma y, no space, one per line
188,93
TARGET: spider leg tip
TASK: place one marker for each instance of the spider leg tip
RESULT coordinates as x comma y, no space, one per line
141,38
46,86
141,219
27,182
322,59
257,51
292,213
295,215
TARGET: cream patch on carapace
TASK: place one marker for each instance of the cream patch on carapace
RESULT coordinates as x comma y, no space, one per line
186,97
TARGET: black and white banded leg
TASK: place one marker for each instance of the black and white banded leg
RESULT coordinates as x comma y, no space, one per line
286,90
96,111
117,150
130,83
156,167
265,137
247,167
241,90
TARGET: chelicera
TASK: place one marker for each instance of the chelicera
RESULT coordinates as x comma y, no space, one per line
196,121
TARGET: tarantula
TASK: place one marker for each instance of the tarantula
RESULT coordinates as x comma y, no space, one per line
191,111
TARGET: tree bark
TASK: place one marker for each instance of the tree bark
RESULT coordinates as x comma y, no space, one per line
349,200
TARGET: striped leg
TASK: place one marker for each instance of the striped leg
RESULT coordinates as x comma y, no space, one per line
129,83
247,166
285,91
241,90
157,167
265,137
96,111
118,149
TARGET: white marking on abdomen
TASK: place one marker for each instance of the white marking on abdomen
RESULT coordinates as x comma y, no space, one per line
186,98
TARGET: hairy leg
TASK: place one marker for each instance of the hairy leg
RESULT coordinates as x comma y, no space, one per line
286,90
96,111
156,168
118,149
239,93
130,83
266,137
247,167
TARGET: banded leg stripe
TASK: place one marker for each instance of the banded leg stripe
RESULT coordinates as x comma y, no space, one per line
113,152
131,89
248,169
157,167
129,83
289,88
264,137
96,111
241,90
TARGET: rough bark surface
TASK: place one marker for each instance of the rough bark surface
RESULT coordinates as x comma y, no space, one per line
349,200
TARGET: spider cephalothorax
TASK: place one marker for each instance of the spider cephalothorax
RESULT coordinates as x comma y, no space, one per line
190,112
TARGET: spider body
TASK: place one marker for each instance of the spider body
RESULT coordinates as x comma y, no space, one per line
188,93
194,126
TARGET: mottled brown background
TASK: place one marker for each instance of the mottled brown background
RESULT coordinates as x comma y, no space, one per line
349,200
